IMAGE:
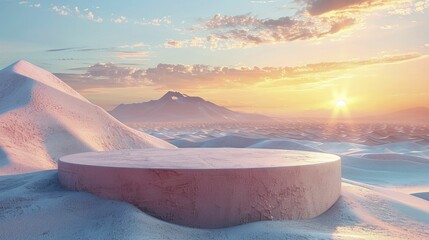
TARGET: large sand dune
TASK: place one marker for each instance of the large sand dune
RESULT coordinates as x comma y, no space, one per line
42,119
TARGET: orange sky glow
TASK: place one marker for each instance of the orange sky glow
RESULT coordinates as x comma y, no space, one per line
282,58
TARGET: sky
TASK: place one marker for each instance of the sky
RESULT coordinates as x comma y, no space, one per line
283,58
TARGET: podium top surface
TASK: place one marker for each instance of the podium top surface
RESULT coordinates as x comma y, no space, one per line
199,158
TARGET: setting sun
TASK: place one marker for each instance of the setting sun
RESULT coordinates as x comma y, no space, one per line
341,103
340,106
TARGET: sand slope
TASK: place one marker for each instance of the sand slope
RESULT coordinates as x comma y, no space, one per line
42,118
35,206
379,198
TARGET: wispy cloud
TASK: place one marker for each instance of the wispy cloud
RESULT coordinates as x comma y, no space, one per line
410,7
62,49
354,7
247,30
131,54
179,76
30,4
174,44
133,45
194,42
92,49
120,19
62,10
320,7
314,19
421,6
105,75
123,51
162,21
204,76
166,20
85,13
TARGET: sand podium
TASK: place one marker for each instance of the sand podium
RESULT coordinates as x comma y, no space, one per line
210,188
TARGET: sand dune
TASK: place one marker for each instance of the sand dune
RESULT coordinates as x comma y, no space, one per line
35,206
42,119
383,194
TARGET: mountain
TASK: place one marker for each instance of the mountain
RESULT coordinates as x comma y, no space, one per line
418,114
42,119
178,107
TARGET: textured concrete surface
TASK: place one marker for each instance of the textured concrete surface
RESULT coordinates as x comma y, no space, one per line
210,188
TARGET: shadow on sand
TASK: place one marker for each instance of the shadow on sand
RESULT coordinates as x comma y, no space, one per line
15,92
4,159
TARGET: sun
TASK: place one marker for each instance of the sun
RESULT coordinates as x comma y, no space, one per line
341,104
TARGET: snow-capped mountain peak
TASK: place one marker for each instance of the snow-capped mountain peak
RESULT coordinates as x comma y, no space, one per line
177,107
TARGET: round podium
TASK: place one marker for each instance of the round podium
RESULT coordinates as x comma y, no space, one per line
210,187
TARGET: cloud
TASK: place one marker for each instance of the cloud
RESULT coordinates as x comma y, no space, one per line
134,45
173,44
247,30
194,42
105,75
61,49
166,20
221,21
131,54
421,6
200,76
86,13
354,7
314,19
179,76
29,4
91,49
90,16
62,10
120,19
77,49
319,7
123,51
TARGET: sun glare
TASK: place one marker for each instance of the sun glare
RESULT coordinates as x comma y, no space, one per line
341,103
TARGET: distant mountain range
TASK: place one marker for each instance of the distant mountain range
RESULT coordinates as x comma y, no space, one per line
418,114
408,115
178,107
